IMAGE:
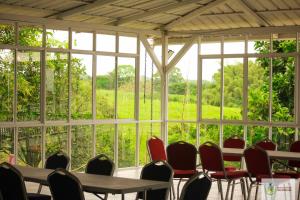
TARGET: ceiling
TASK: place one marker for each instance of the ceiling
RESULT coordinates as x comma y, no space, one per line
170,15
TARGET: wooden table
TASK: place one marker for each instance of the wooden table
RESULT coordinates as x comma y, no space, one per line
97,183
280,155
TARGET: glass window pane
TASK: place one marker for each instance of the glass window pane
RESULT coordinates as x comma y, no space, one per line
82,146
182,90
6,84
283,88
209,132
56,140
126,145
210,48
57,38
105,140
28,85
262,45
30,36
283,137
6,143
256,134
258,89
30,146
234,47
233,88
182,131
81,88
105,87
147,130
7,34
106,42
82,41
127,44
57,83
211,97
282,44
126,88
232,130
150,88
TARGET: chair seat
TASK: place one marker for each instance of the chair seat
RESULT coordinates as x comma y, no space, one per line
291,174
260,177
34,196
230,168
184,173
230,174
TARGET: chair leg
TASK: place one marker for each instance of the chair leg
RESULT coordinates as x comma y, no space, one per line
220,189
39,189
256,192
232,189
228,189
249,191
173,190
178,188
242,182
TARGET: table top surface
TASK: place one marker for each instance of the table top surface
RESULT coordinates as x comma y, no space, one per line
96,183
282,155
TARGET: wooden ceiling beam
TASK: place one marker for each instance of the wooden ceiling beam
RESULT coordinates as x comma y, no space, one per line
194,13
248,10
83,8
154,11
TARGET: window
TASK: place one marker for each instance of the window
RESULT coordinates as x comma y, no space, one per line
150,89
57,39
126,144
105,140
7,34
182,131
56,140
30,146
105,87
106,42
182,90
211,83
30,36
57,86
28,85
82,41
6,84
125,42
81,88
6,143
126,88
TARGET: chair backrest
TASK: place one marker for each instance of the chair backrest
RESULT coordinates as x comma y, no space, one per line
295,147
196,188
157,171
233,142
101,165
211,157
57,160
63,185
182,156
156,149
257,161
267,144
12,184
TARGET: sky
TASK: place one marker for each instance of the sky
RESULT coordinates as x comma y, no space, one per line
187,65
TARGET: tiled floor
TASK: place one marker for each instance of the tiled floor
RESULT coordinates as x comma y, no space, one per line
135,173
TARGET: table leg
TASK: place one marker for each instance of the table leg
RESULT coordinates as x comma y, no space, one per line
145,195
123,196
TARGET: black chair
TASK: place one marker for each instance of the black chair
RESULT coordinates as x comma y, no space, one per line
157,171
12,185
63,185
196,188
101,165
55,161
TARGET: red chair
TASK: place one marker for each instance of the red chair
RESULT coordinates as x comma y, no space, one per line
212,162
295,147
254,155
267,144
156,149
237,143
182,156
